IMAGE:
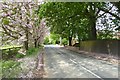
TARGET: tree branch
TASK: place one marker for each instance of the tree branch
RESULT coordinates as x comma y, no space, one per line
104,13
6,32
107,11
100,15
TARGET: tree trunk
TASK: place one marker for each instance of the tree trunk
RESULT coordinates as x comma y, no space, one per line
35,43
38,43
26,45
93,34
27,36
92,20
70,41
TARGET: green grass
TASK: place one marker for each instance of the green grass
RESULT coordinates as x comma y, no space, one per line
10,69
32,51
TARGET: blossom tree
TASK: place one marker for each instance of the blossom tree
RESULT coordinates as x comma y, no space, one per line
21,24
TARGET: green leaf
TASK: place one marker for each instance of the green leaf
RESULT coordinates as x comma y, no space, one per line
5,21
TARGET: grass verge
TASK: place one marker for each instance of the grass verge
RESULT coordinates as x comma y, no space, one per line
10,69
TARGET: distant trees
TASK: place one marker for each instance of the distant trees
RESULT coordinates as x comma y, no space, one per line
55,38
46,40
52,39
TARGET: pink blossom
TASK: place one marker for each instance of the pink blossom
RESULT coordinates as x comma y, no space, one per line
29,26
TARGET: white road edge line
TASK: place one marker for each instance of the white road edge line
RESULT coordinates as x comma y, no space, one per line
88,70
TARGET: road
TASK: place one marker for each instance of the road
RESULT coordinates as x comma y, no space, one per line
62,63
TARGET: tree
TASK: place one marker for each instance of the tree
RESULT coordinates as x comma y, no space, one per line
20,24
76,19
54,38
61,17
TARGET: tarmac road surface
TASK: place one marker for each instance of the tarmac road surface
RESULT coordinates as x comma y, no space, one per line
62,63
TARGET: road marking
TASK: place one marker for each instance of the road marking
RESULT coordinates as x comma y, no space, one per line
73,61
88,70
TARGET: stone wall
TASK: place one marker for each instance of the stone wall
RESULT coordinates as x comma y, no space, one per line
111,47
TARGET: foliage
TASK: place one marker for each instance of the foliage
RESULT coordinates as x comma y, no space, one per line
71,17
54,38
10,69
64,41
78,19
105,34
5,21
46,40
62,17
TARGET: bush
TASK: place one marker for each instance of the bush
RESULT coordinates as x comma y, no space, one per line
19,55
64,41
54,38
46,40
53,42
